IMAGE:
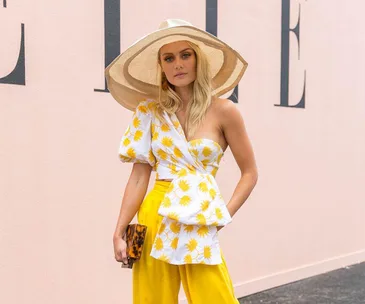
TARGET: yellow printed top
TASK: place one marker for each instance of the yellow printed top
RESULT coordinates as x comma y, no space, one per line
193,206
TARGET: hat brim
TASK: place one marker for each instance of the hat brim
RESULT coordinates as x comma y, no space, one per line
133,75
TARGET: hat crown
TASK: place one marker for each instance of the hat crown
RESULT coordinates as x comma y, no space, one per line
173,23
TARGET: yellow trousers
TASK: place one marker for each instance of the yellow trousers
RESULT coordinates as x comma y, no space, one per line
157,282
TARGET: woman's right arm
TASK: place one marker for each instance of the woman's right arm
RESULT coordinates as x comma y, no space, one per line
133,197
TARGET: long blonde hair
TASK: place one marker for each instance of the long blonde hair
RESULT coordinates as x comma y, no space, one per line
170,101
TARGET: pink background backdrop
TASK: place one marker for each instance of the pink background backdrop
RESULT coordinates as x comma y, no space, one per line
62,182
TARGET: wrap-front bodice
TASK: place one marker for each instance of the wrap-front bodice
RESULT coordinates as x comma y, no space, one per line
193,206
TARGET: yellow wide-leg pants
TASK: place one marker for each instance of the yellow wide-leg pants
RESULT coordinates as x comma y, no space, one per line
157,282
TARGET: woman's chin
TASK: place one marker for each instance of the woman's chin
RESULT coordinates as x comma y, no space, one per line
182,84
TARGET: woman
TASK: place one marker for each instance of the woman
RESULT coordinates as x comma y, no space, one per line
180,129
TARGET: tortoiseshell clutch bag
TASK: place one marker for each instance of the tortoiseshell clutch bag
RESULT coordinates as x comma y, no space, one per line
134,237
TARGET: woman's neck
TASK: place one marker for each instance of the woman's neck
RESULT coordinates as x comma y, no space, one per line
185,93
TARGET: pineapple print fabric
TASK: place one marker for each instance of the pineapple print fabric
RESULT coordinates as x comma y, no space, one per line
193,206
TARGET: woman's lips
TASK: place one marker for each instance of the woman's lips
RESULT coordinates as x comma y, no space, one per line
180,75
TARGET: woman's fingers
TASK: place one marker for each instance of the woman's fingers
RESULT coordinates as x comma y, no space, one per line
121,256
120,250
124,257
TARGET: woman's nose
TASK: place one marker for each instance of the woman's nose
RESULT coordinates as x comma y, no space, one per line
178,64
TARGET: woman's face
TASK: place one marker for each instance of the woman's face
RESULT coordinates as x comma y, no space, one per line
178,61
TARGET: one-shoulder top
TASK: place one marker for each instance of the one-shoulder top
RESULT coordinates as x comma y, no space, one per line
147,140
193,206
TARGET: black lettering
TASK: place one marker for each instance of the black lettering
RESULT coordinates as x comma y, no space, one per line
111,34
284,78
17,76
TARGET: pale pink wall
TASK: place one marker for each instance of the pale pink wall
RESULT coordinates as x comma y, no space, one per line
61,180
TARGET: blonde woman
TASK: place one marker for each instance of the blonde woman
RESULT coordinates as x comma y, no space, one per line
180,128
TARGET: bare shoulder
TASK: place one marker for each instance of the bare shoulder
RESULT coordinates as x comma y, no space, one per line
220,102
227,111
235,134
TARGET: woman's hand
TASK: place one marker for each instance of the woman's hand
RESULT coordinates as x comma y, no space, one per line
120,250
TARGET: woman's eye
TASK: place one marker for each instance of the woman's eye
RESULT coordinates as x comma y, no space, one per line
168,59
186,55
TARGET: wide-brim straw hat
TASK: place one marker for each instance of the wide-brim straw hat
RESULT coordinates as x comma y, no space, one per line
133,75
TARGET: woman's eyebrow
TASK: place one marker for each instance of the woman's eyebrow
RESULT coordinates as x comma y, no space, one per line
179,52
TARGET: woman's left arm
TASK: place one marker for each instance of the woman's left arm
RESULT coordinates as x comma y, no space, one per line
234,131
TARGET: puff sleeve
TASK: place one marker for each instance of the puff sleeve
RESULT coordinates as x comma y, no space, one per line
135,145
